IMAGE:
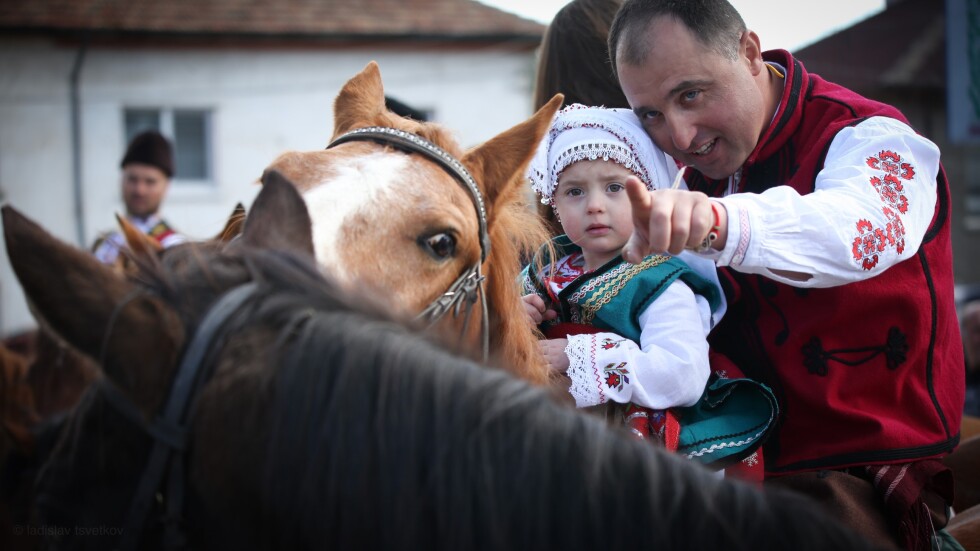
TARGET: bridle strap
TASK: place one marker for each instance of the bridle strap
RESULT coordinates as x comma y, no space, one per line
172,422
416,144
469,286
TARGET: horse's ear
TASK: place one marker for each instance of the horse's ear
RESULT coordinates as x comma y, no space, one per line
82,300
139,243
67,287
234,225
500,163
279,218
359,101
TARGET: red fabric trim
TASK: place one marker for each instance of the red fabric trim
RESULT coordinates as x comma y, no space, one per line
564,329
901,487
672,431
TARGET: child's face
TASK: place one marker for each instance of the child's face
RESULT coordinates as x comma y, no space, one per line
594,209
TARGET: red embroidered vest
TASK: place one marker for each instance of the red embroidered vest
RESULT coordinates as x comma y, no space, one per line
865,373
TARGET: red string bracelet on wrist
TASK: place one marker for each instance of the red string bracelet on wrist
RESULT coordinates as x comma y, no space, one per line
713,233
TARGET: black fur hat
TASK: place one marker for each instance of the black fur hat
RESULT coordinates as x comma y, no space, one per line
150,148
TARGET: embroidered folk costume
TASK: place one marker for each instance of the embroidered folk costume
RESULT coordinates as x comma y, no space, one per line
637,333
149,148
866,349
108,245
838,268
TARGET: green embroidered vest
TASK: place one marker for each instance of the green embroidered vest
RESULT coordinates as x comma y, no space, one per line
612,297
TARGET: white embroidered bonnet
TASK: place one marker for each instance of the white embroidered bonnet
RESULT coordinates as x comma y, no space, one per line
579,132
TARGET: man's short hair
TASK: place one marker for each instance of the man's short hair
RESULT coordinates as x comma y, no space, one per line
715,23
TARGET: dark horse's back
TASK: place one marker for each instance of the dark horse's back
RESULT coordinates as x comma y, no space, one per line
326,424
379,439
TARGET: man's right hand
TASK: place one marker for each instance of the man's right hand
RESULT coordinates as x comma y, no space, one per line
669,220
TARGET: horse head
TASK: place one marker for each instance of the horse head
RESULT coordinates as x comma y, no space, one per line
136,322
399,225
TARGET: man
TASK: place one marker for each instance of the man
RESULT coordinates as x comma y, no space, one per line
147,167
829,219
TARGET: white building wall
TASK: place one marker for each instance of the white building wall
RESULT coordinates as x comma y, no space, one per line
263,103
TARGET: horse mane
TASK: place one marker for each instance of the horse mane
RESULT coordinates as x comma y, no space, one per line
350,418
515,233
369,422
353,118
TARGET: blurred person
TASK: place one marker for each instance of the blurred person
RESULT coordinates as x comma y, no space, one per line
574,57
147,168
574,61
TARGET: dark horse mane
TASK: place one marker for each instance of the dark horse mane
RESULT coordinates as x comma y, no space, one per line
379,438
330,424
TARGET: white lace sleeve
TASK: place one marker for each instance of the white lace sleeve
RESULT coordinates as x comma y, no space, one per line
668,368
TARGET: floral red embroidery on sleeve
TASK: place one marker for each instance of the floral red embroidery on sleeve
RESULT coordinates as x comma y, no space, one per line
616,375
871,241
890,189
609,344
867,244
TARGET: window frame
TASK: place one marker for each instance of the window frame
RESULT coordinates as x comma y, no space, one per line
166,125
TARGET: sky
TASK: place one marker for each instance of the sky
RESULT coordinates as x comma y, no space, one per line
786,24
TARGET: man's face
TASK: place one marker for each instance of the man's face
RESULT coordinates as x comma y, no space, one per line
143,188
702,108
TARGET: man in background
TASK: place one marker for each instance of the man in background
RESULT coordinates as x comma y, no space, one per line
147,168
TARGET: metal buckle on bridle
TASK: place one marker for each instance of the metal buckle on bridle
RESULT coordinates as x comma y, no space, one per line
469,286
467,289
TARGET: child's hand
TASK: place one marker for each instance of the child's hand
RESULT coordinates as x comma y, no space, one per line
554,353
536,310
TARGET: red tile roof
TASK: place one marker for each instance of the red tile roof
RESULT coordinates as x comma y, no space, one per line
903,46
317,19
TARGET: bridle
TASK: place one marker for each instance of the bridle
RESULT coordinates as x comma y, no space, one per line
469,286
169,430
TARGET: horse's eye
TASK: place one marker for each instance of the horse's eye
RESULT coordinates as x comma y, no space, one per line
440,246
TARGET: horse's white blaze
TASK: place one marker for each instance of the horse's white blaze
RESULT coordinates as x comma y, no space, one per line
357,184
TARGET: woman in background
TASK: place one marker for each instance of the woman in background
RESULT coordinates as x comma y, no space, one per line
574,61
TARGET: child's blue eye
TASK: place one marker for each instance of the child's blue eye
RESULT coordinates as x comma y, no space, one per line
616,187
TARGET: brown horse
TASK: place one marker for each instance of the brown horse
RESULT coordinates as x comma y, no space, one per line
43,380
302,416
17,409
399,225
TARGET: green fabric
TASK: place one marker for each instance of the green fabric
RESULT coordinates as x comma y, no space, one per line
945,542
613,296
733,416
727,423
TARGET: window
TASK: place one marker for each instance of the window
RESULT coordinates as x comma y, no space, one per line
190,132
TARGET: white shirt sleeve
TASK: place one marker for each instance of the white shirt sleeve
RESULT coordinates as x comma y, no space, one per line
871,206
667,368
108,249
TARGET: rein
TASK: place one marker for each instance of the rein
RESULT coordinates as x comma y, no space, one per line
169,430
470,285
